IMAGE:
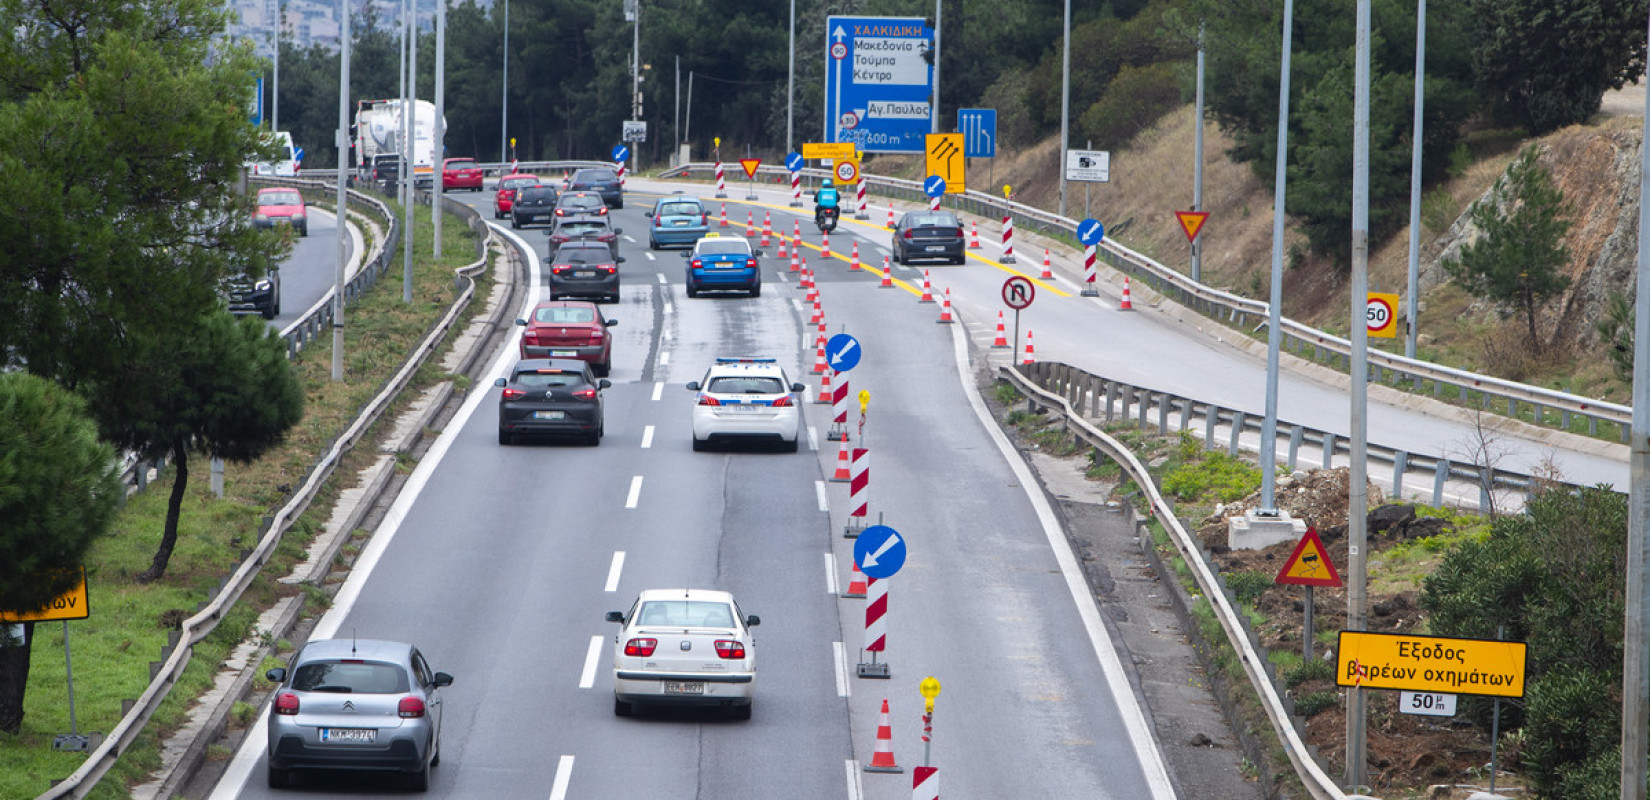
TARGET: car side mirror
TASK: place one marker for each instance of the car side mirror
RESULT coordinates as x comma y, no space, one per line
603,383
615,616
610,322
757,253
693,386
648,214
752,621
441,679
499,383
797,387
620,259
521,322
688,254
618,231
276,675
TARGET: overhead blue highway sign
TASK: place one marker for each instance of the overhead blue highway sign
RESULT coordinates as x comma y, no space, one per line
979,129
794,162
842,352
878,83
934,186
879,551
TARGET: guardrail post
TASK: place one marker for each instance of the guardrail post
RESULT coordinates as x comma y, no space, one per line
1209,421
1400,465
1512,408
1163,416
1145,407
1185,413
1295,435
1328,450
1128,400
1239,419
1486,479
1440,474
1111,399
1096,383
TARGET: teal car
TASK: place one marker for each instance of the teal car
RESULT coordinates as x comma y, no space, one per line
677,221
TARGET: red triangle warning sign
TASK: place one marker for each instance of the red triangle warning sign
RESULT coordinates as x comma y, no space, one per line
750,165
1309,565
1191,222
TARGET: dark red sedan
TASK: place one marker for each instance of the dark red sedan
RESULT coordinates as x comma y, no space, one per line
569,329
461,173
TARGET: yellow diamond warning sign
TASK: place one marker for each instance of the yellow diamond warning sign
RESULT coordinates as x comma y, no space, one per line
1310,564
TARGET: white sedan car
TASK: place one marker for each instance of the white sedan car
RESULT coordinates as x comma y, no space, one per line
746,399
684,647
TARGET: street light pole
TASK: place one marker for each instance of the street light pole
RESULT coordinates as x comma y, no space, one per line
343,198
934,113
1357,511
635,76
1065,107
504,100
440,148
275,88
790,89
408,166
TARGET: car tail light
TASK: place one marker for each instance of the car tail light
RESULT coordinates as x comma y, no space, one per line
658,221
559,238
561,212
597,336
286,704
697,264
585,394
907,234
704,218
707,400
513,394
782,402
730,648
750,262
959,232
609,268
410,708
640,647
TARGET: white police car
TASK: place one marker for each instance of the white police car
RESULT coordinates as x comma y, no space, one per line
746,400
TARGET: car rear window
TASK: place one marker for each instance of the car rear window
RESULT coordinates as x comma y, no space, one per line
547,379
565,315
746,384
536,192
350,677
596,175
583,255
724,247
464,164
517,183
680,210
933,221
582,228
281,198
687,613
582,201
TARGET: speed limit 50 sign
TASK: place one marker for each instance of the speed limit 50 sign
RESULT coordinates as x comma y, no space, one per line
1381,315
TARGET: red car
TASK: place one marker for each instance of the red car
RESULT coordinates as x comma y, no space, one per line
461,173
281,206
504,200
569,329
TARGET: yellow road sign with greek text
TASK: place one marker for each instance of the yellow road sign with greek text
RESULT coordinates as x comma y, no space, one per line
1431,664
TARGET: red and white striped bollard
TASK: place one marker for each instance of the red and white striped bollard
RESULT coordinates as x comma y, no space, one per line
839,410
721,181
859,494
1089,273
796,189
1008,239
876,627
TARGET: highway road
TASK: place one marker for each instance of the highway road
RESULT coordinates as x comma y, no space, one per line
501,561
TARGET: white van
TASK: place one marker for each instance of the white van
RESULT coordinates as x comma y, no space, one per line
285,166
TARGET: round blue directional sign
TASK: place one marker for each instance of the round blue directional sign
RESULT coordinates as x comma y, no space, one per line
620,152
934,186
1090,231
794,162
879,551
842,352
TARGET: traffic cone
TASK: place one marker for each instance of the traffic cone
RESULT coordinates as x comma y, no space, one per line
973,235
795,267
1048,273
767,228
784,247
887,276
945,309
856,582
807,278
826,251
1031,352
724,215
1002,334
819,358
927,290
796,232
824,397
842,463
890,225
819,313
1125,305
883,759
854,264
750,225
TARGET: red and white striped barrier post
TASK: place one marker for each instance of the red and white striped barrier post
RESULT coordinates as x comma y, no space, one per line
1089,273
859,495
876,628
839,411
619,166
796,188
1008,239
721,180
925,781
860,211
934,203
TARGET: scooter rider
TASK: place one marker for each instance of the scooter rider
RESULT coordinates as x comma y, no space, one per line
825,198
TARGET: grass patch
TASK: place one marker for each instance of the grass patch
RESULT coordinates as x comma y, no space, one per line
128,628
1005,394
1313,703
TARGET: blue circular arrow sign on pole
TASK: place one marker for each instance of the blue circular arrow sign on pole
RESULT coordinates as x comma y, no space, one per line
620,152
934,186
879,551
794,162
842,352
1090,231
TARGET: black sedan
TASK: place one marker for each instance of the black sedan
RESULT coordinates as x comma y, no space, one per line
532,204
551,396
602,181
585,269
929,234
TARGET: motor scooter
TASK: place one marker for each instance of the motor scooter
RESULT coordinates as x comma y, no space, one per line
825,218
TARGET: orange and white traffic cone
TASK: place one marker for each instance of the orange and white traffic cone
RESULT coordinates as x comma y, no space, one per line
795,266
1048,273
724,215
824,397
796,231
767,228
856,582
883,759
973,235
890,224
842,474
820,367
1031,352
1125,305
854,264
927,289
887,276
826,239
818,315
1002,335
813,288
750,225
945,309
807,278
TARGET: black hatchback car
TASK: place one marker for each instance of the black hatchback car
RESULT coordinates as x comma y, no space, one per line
602,181
552,396
585,269
584,229
532,204
929,234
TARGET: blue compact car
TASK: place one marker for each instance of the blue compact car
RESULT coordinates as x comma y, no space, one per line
678,221
723,263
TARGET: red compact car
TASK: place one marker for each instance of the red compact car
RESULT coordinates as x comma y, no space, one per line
505,199
461,173
569,329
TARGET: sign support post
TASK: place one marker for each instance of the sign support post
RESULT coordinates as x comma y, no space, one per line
1308,566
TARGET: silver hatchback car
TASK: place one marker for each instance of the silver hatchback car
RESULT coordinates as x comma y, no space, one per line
356,704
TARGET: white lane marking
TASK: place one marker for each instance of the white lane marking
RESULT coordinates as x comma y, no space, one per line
813,438
819,491
796,304
658,389
830,573
647,437
649,256
670,308
628,239
662,278
855,791
636,492
587,679
614,571
564,773
664,357
839,659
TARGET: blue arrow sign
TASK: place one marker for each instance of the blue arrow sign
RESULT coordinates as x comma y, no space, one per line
934,186
979,129
879,551
878,83
794,162
842,351
620,152
1090,231
298,154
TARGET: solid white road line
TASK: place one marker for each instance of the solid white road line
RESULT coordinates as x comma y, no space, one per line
658,389
647,435
614,571
564,773
669,309
830,573
855,791
819,490
839,658
587,678
635,492
813,438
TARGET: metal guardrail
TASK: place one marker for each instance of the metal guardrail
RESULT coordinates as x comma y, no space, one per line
1545,407
489,167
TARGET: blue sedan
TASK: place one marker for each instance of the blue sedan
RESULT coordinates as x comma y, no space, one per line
677,221
719,263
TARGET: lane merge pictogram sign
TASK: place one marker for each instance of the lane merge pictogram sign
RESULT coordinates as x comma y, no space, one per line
1431,664
1309,565
945,159
1191,222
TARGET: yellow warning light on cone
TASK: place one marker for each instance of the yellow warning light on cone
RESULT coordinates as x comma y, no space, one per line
1008,191
717,141
512,141
864,399
930,688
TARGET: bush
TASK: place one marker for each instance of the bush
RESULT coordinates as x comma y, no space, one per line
1134,100
1217,474
1248,586
1313,703
1317,669
1574,721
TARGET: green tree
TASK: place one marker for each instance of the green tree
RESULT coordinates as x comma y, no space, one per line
1519,254
1547,63
1615,330
59,489
225,389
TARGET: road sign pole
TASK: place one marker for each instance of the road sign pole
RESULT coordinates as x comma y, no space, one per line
1307,629
1016,331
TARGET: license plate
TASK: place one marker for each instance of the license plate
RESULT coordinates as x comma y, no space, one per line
584,273
349,735
564,354
682,687
936,249
549,415
681,223
745,409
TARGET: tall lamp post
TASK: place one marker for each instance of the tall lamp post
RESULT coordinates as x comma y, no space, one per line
1065,107
343,152
504,99
275,84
